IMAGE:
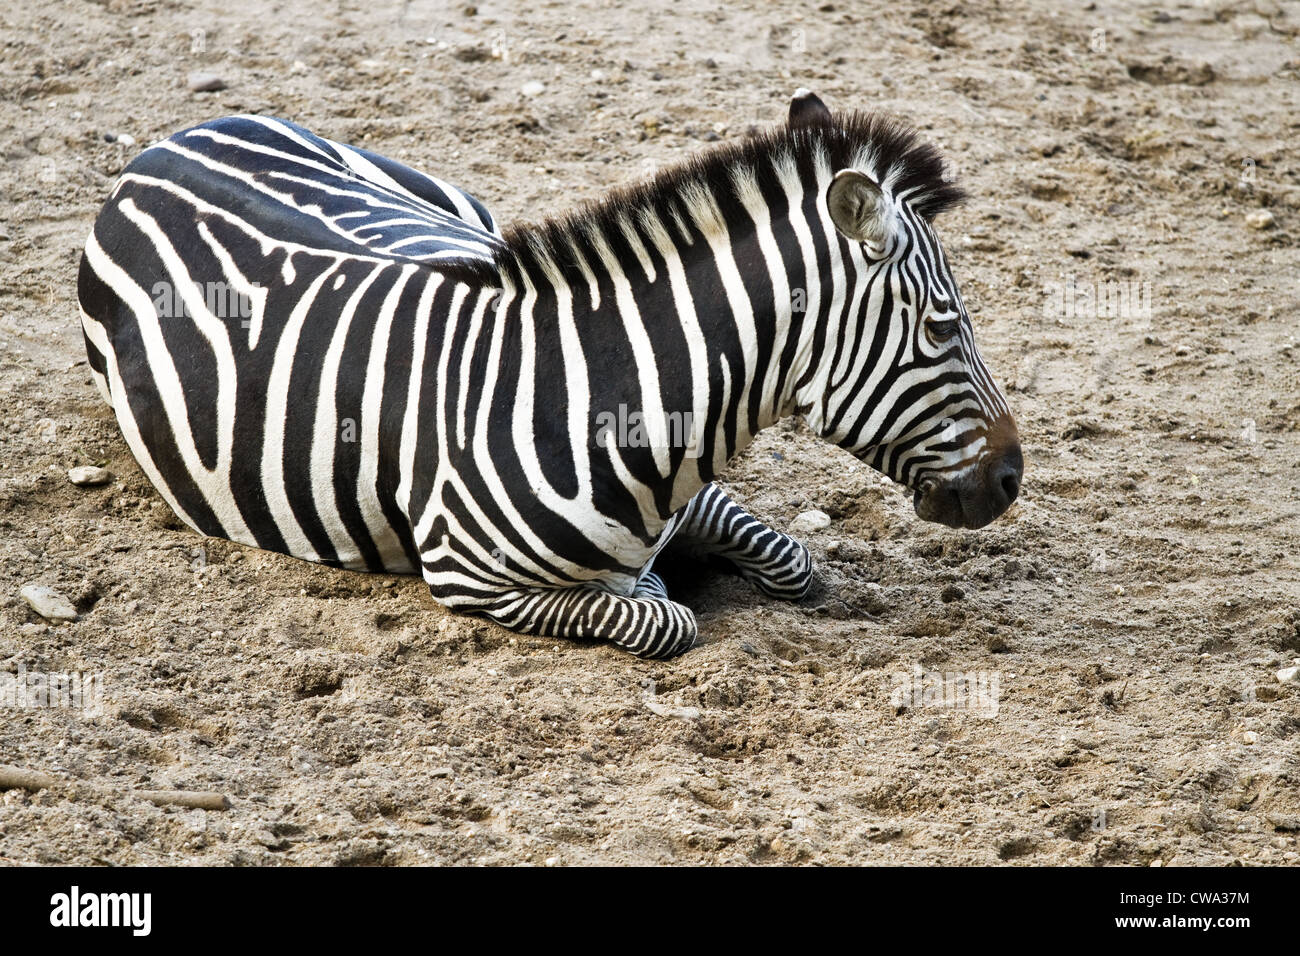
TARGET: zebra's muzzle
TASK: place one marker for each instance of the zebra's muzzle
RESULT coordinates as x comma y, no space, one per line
977,497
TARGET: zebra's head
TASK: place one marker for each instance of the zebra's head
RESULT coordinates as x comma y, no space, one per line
899,381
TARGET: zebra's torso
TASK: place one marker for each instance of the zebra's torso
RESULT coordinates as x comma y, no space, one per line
304,346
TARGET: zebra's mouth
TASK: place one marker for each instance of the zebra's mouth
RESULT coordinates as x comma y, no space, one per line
974,499
940,503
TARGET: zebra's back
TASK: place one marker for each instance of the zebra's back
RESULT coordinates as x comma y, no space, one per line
249,297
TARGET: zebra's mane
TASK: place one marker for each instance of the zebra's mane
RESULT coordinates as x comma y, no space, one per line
706,185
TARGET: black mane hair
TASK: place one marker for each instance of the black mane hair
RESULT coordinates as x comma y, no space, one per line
903,163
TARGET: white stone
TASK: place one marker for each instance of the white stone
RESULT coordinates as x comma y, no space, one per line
48,603
1288,675
201,82
1260,219
88,476
532,88
809,521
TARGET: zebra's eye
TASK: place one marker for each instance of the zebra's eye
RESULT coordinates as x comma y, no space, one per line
944,330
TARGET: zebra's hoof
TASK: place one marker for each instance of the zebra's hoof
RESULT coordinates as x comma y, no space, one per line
672,647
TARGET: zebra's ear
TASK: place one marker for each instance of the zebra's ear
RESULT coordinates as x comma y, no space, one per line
807,109
858,209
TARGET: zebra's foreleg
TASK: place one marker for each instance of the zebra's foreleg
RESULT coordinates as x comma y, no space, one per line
712,525
646,624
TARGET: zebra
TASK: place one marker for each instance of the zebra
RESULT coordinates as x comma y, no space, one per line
408,388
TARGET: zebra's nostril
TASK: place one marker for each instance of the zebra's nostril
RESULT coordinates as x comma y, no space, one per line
1004,478
1007,471
1010,486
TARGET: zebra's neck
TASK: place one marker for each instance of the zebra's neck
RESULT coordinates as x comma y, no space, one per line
700,312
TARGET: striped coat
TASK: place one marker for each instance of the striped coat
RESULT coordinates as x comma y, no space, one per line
315,350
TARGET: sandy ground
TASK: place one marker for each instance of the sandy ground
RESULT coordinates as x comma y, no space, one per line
1132,609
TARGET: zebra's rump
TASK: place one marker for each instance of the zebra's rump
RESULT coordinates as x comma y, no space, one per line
249,296
278,177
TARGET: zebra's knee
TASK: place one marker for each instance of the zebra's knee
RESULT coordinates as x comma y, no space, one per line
789,577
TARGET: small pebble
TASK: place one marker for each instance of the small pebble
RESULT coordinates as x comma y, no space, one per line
532,88
126,139
807,522
200,82
951,592
440,772
89,476
48,603
1260,219
1250,737
1288,675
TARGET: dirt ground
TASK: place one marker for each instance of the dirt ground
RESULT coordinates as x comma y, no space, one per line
1131,611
